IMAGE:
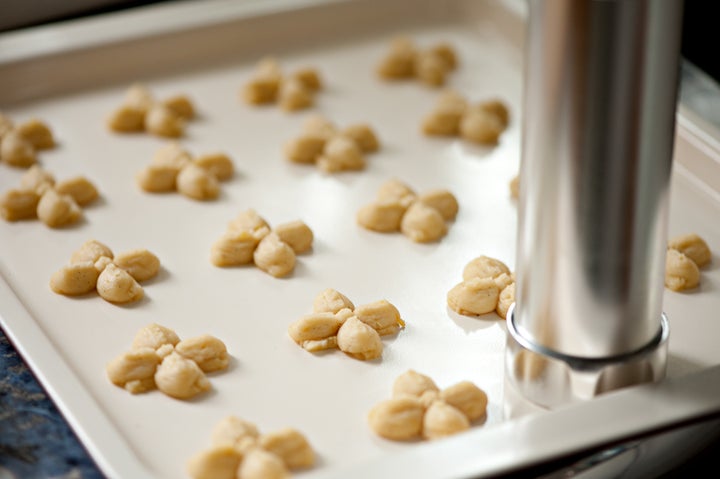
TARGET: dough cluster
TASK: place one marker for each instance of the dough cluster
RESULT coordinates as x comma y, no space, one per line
453,115
331,148
57,204
686,255
423,218
269,85
488,285
335,323
141,112
249,239
173,168
419,409
239,451
116,278
158,358
19,144
404,60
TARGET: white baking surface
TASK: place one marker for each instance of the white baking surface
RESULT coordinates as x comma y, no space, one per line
271,381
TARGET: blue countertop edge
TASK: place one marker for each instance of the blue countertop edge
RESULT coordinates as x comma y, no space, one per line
35,440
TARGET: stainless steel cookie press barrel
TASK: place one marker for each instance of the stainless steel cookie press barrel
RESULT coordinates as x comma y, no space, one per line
601,84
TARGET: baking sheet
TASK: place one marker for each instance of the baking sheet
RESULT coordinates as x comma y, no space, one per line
271,381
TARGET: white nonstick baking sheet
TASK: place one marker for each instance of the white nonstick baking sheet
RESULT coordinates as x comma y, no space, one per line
72,75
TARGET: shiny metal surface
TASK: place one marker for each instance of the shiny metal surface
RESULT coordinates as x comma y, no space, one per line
600,96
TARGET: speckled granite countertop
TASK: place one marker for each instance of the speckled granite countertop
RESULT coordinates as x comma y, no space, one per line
35,440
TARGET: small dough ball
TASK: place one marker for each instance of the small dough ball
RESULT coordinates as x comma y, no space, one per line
154,336
80,188
173,155
157,178
692,246
381,216
309,77
234,248
263,86
399,419
681,273
505,300
423,224
6,124
140,97
37,179
399,61
197,183
497,108
394,190
291,446
294,95
134,370
364,136
207,351
219,164
481,127
341,154
332,301
443,201
260,464
380,315
75,279
358,340
467,398
485,267
15,150
474,297
162,121
274,256
180,377
181,105
140,263
218,462
442,420
314,326
56,210
431,68
515,187
447,53
37,133
413,383
16,205
296,234
233,431
445,118
305,149
127,119
117,285
250,220
318,125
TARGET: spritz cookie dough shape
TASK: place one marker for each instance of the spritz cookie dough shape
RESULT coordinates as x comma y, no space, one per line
269,85
686,255
422,217
173,168
249,239
56,204
331,148
19,144
116,278
488,285
336,322
404,60
140,111
239,451
158,358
